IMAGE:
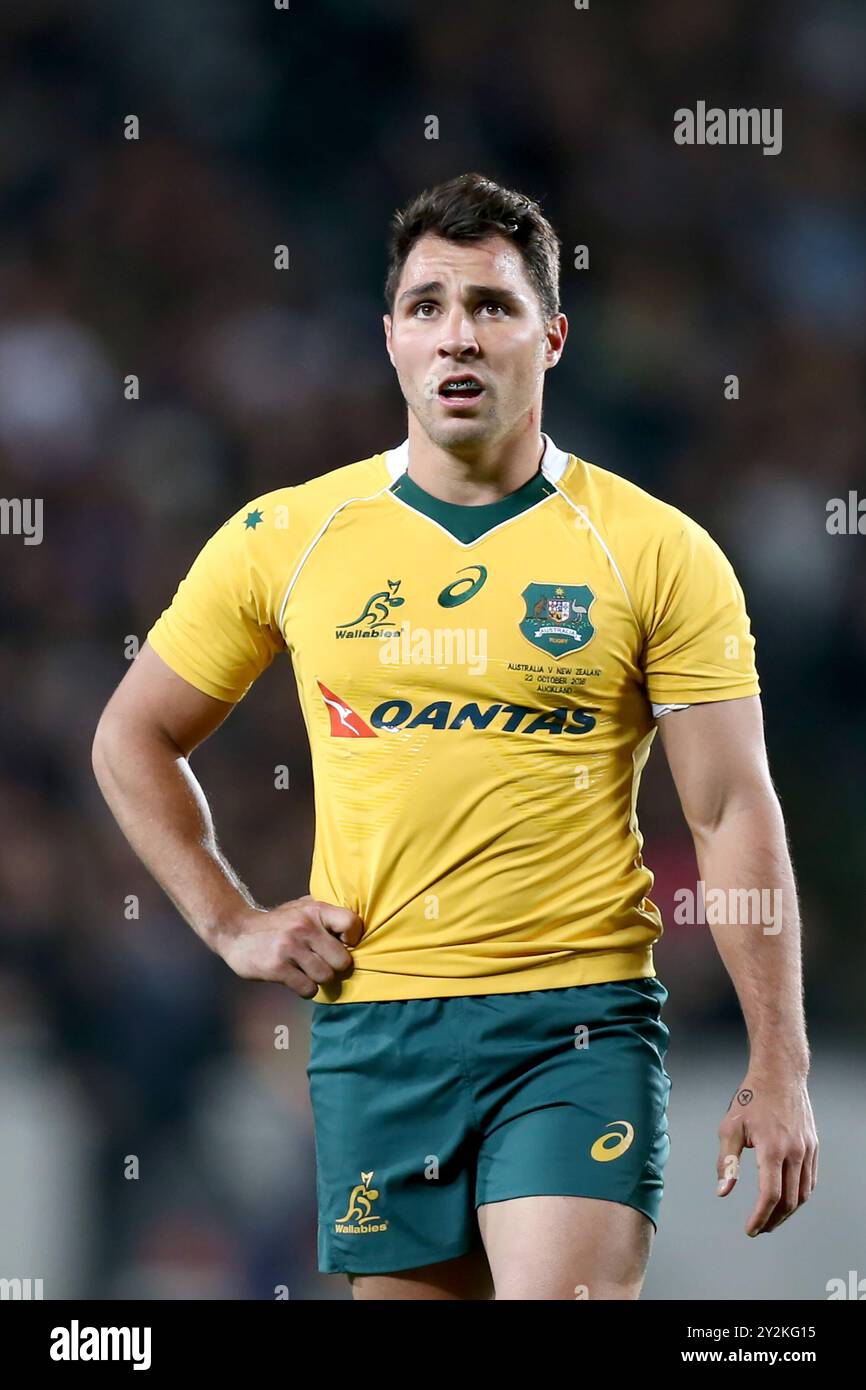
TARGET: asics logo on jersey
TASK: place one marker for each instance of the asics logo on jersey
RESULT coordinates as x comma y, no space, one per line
610,1146
453,594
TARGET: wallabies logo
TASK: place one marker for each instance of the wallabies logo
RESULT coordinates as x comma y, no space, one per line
359,1218
377,610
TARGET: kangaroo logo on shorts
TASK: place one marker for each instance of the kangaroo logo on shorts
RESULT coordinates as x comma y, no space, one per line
609,1146
360,1218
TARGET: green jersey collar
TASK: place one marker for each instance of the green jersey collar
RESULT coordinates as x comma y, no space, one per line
468,523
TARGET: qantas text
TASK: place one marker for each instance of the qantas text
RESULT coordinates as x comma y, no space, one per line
398,714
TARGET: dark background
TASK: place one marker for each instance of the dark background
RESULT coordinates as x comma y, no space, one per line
156,257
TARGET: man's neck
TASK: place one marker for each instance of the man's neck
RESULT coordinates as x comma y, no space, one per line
471,482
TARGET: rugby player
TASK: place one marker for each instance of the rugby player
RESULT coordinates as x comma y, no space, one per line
486,631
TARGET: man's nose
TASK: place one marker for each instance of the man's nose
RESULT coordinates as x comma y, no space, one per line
458,334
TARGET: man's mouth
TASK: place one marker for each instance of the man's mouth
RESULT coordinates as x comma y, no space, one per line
460,390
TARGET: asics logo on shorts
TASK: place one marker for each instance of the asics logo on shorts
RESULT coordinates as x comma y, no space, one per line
609,1146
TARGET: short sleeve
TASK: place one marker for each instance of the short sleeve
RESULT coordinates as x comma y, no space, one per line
221,630
699,645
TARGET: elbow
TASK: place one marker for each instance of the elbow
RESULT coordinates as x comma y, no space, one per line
123,736
745,808
109,738
100,755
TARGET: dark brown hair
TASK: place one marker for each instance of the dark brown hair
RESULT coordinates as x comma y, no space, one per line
471,208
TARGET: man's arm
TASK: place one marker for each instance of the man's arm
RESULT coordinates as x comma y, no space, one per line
718,760
150,726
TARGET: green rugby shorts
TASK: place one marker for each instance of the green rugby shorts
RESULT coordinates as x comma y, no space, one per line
426,1109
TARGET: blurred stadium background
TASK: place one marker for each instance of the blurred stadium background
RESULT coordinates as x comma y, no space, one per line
306,127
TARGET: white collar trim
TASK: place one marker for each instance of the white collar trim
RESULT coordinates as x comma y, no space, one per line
553,461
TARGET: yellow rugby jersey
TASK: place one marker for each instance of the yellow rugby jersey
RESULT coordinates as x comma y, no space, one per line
477,686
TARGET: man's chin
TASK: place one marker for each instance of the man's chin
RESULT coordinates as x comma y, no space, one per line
458,430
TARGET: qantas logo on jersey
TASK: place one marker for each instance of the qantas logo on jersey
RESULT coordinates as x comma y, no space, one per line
443,714
345,723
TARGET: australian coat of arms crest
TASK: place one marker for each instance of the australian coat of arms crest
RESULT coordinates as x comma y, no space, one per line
557,617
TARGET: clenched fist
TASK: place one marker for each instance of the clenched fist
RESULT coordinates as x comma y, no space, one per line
301,944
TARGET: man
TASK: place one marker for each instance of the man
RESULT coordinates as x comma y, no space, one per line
484,631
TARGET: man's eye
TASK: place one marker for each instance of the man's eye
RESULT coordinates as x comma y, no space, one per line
430,304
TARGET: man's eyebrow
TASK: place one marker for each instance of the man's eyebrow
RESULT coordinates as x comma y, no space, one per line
478,291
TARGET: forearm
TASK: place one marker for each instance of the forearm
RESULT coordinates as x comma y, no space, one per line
162,810
755,923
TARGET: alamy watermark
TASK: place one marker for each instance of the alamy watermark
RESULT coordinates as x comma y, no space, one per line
437,646
853,1287
17,1288
77,1343
846,518
22,516
737,126
729,907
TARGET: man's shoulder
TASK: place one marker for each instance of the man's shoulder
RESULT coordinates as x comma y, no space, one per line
298,506
626,513
346,483
613,502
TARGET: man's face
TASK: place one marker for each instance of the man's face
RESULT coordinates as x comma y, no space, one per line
470,308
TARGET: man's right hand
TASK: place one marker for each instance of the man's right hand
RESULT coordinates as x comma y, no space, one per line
301,944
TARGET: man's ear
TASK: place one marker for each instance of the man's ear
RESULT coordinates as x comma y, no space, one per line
386,321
